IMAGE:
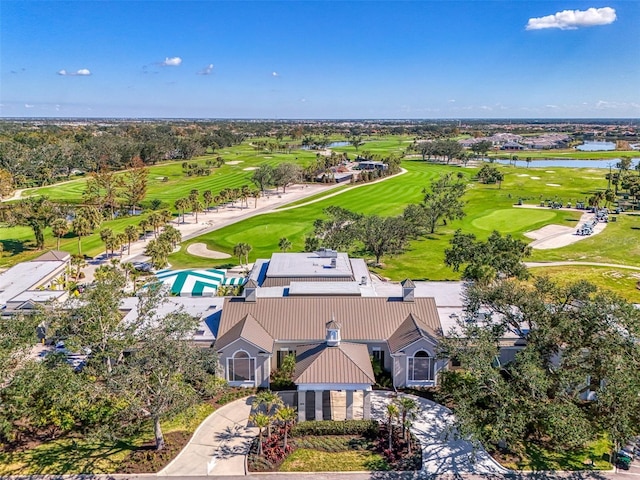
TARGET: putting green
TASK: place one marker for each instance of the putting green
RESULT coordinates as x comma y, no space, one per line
511,220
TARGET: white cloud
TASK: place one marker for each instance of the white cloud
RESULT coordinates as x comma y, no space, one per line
83,72
206,70
171,62
275,74
573,19
28,105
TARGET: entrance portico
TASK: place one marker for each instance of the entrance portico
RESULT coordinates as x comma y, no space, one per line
337,373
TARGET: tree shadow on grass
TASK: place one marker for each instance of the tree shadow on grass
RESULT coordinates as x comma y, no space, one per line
70,457
13,246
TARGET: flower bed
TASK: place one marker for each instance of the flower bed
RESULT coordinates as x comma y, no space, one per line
364,436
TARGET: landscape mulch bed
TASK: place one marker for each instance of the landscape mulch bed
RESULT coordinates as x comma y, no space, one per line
146,459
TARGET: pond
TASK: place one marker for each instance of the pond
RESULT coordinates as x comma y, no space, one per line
596,146
551,162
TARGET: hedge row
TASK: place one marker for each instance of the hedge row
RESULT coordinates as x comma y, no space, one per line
326,427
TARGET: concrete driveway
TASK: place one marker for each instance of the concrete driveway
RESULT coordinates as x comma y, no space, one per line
218,446
443,452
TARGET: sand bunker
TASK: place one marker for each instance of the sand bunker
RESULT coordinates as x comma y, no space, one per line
201,250
549,231
250,168
553,185
523,174
535,178
549,171
234,162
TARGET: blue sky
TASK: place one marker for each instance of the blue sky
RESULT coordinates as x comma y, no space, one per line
322,59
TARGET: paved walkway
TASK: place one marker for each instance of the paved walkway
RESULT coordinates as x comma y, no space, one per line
443,451
219,445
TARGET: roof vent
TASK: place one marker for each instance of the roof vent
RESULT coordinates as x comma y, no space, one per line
408,290
363,280
250,291
333,263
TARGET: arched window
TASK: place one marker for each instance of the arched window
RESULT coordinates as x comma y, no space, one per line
420,367
241,367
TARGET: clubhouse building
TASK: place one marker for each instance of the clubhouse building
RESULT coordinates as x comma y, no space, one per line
324,308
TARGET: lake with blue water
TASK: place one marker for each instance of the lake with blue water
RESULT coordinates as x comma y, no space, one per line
596,147
551,162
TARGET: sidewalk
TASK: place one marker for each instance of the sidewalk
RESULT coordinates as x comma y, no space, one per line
218,446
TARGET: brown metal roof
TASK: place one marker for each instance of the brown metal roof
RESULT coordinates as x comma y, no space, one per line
409,331
285,281
250,330
54,255
344,363
305,318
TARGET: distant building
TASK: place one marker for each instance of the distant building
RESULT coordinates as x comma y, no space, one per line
28,284
371,165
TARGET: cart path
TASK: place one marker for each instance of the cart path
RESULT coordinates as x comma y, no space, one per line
569,263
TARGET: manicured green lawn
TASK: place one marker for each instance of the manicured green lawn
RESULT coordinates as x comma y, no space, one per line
486,204
622,281
307,460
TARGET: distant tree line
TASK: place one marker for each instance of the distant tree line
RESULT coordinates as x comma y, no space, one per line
36,156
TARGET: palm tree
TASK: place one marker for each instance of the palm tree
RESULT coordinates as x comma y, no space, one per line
172,235
245,193
261,421
392,414
271,402
156,219
120,240
106,235
144,226
286,415
255,193
181,205
158,251
408,411
132,233
242,250
207,196
284,244
82,228
196,206
78,262
60,228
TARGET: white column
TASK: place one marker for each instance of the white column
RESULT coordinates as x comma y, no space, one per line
349,404
302,407
366,404
319,415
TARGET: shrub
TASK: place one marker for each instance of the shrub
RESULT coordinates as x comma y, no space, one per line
324,427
